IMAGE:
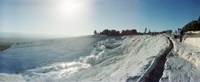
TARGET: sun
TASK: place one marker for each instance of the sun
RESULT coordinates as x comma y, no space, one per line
71,7
72,17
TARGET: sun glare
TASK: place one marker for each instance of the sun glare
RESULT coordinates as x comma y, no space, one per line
72,16
71,7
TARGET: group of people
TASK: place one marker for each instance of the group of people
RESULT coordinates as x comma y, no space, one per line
179,34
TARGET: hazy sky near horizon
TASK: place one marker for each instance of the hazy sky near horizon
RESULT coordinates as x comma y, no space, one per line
82,17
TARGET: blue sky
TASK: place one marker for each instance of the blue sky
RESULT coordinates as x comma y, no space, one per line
82,17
